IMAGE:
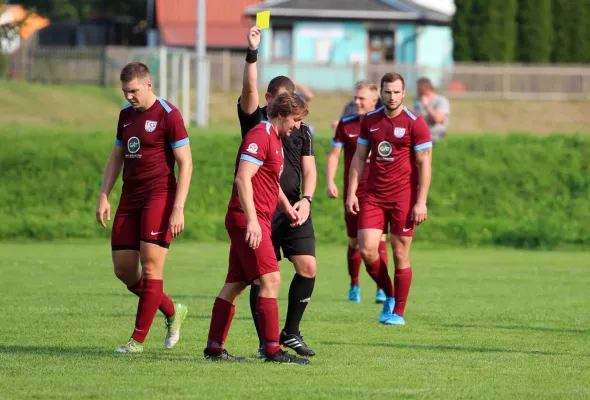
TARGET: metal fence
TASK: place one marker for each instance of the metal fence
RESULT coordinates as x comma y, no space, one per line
101,66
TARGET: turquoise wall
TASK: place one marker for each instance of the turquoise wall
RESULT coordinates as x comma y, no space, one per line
327,51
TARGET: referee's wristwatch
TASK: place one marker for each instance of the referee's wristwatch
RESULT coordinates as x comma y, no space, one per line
308,198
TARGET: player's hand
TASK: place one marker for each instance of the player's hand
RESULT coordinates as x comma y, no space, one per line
332,190
254,37
103,208
293,215
352,204
176,224
303,208
253,234
425,100
419,213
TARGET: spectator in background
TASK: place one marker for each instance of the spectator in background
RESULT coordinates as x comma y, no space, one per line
434,108
350,108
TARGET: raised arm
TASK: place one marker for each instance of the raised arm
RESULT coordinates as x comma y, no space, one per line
249,97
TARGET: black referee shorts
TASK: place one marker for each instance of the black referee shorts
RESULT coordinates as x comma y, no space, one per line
298,241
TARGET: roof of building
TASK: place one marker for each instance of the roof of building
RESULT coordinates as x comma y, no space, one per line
390,10
226,22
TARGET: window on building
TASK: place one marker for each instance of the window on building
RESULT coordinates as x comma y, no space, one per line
381,47
282,43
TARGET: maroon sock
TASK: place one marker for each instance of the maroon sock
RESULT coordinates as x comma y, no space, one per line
268,320
149,300
166,305
383,251
385,259
221,317
378,271
354,265
403,280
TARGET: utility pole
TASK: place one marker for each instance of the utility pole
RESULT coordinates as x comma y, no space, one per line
201,106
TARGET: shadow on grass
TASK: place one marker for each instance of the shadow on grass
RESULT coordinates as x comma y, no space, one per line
96,352
456,348
521,328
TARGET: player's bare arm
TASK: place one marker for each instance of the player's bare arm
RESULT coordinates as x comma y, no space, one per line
357,167
307,93
111,173
184,159
243,181
331,168
249,98
309,179
424,162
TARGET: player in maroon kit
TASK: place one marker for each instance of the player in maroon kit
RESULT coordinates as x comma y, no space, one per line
346,136
397,189
254,199
151,137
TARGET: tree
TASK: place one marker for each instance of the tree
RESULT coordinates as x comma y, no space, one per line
8,30
83,10
535,31
571,29
493,30
462,27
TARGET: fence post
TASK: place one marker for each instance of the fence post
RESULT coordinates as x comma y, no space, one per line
186,88
226,71
163,72
175,78
103,67
505,83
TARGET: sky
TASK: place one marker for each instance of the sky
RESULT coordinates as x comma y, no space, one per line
446,6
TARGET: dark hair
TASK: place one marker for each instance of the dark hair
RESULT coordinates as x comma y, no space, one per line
425,82
134,70
288,103
280,82
392,77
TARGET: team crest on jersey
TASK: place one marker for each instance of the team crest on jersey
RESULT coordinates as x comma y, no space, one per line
399,132
150,126
252,148
384,148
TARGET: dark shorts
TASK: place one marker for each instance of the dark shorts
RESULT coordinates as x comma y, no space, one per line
298,241
395,215
245,263
142,219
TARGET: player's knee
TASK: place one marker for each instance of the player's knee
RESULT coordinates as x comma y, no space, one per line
400,256
270,281
127,274
369,254
307,268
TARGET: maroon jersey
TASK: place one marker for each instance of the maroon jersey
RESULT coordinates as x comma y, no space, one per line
148,138
261,146
392,141
346,136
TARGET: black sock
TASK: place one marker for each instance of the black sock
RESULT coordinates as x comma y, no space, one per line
299,295
254,291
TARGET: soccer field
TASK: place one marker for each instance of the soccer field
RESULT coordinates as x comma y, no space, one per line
482,323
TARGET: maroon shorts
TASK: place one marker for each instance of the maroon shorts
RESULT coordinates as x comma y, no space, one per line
245,263
395,215
142,219
351,221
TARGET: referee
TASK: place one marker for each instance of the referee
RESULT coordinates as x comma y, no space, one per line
298,183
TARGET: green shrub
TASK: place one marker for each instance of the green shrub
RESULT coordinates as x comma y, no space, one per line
516,190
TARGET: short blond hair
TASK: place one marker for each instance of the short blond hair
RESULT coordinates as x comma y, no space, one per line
366,85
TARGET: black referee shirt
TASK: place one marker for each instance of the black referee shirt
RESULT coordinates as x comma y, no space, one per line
299,144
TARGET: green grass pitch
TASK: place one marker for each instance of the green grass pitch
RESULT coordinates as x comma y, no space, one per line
482,323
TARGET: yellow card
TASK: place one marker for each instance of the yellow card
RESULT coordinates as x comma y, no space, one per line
263,19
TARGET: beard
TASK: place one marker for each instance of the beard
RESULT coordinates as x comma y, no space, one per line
390,108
